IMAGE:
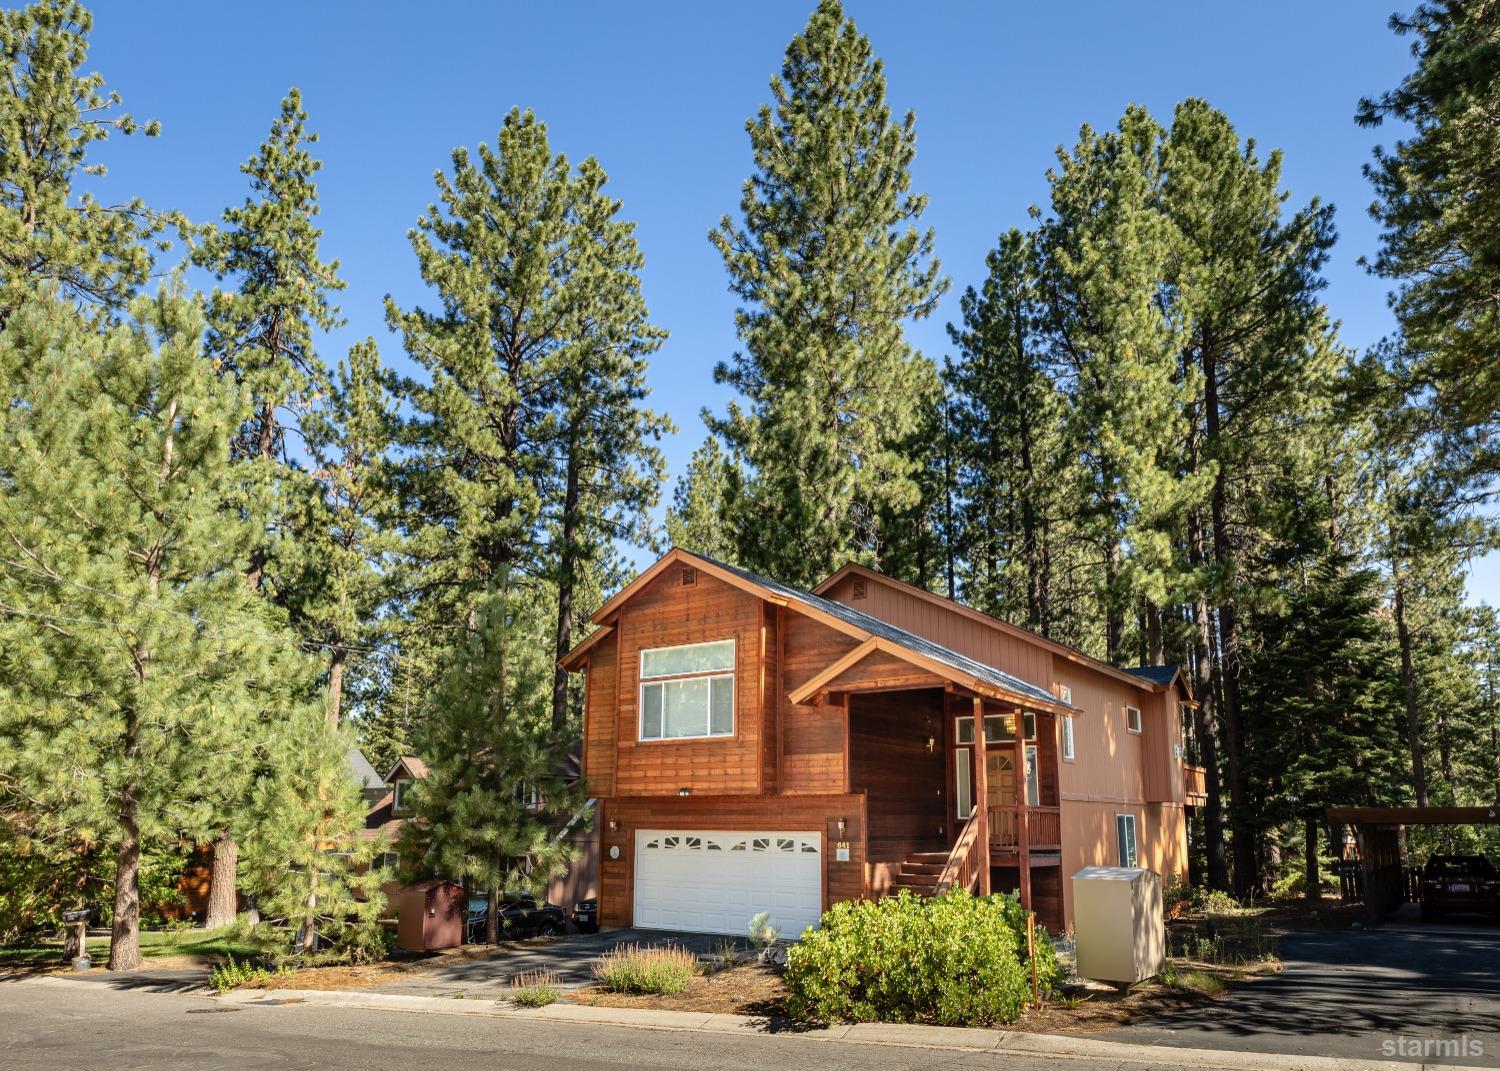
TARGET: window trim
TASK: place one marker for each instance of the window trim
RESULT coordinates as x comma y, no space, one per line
643,681
398,787
1135,843
1069,747
963,771
1140,724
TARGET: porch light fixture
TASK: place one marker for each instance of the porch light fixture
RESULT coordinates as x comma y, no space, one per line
931,745
614,825
843,826
684,792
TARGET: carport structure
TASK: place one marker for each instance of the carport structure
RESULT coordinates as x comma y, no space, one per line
1377,832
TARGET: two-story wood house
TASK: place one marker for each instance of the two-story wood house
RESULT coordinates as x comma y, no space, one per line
755,747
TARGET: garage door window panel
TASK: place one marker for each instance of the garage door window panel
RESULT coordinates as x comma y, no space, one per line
687,693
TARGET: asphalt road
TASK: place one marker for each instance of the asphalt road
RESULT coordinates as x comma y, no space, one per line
86,1027
1359,994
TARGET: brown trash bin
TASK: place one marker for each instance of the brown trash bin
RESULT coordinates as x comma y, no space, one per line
430,915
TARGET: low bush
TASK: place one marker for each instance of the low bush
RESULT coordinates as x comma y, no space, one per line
634,969
953,960
535,989
233,974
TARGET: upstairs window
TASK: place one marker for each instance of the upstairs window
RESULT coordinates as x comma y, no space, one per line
1133,719
687,692
398,803
1068,752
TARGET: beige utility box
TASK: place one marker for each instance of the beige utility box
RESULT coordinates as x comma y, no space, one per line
1117,923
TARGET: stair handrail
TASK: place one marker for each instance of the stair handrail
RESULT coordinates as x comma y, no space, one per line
958,868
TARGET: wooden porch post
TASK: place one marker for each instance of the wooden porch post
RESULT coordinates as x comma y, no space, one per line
1023,813
981,797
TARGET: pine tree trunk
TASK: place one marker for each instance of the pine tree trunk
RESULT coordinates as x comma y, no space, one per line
1155,653
1310,875
567,579
1114,613
125,929
1203,689
336,662
1409,694
223,875
1242,844
492,918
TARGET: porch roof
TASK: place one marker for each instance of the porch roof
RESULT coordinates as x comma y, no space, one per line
918,650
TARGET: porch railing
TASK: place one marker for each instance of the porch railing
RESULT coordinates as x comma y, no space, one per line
965,861
1193,781
1043,828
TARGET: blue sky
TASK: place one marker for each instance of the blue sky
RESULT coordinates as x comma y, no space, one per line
659,92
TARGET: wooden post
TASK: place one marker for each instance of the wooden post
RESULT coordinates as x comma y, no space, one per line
981,797
1036,989
1023,813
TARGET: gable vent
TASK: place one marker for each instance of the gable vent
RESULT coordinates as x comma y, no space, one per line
689,576
860,588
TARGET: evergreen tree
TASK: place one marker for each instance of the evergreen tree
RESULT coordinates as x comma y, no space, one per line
1438,200
132,649
1321,695
1260,362
611,470
695,520
261,335
305,854
1108,254
493,807
54,238
829,264
349,540
1011,462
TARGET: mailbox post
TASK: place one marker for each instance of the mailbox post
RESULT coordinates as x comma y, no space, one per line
76,923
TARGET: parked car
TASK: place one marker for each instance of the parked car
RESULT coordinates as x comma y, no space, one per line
1459,883
521,916
586,916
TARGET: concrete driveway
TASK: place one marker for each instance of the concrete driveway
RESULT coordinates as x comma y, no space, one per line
1401,991
571,958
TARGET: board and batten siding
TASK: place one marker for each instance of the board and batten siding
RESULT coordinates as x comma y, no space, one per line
950,628
667,613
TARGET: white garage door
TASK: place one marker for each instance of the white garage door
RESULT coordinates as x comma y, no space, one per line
715,881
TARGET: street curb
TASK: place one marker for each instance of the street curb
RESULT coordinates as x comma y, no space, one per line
962,1039
959,1039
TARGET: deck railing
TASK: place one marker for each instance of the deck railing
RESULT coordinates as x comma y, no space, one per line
966,860
1193,781
1043,828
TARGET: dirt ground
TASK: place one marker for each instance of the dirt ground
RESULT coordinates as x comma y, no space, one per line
756,989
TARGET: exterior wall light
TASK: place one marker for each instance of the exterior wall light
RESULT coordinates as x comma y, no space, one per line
684,792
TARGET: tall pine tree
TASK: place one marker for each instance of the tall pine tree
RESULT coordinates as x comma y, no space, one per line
133,649
829,264
55,237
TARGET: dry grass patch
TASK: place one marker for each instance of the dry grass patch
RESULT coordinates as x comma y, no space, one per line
536,989
752,988
661,969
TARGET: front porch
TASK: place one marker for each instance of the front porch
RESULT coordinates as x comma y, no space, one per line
915,754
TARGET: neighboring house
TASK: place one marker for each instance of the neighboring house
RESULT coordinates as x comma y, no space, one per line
369,780
755,747
390,813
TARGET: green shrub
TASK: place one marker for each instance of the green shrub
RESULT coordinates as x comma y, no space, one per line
535,989
634,969
232,974
953,959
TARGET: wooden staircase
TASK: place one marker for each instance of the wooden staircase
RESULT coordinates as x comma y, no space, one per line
965,866
920,874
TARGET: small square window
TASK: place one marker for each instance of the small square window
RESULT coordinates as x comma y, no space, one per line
1133,719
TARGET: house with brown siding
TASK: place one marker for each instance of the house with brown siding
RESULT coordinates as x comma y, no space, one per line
755,747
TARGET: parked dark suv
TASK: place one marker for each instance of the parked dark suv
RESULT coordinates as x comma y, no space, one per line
519,917
1459,883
